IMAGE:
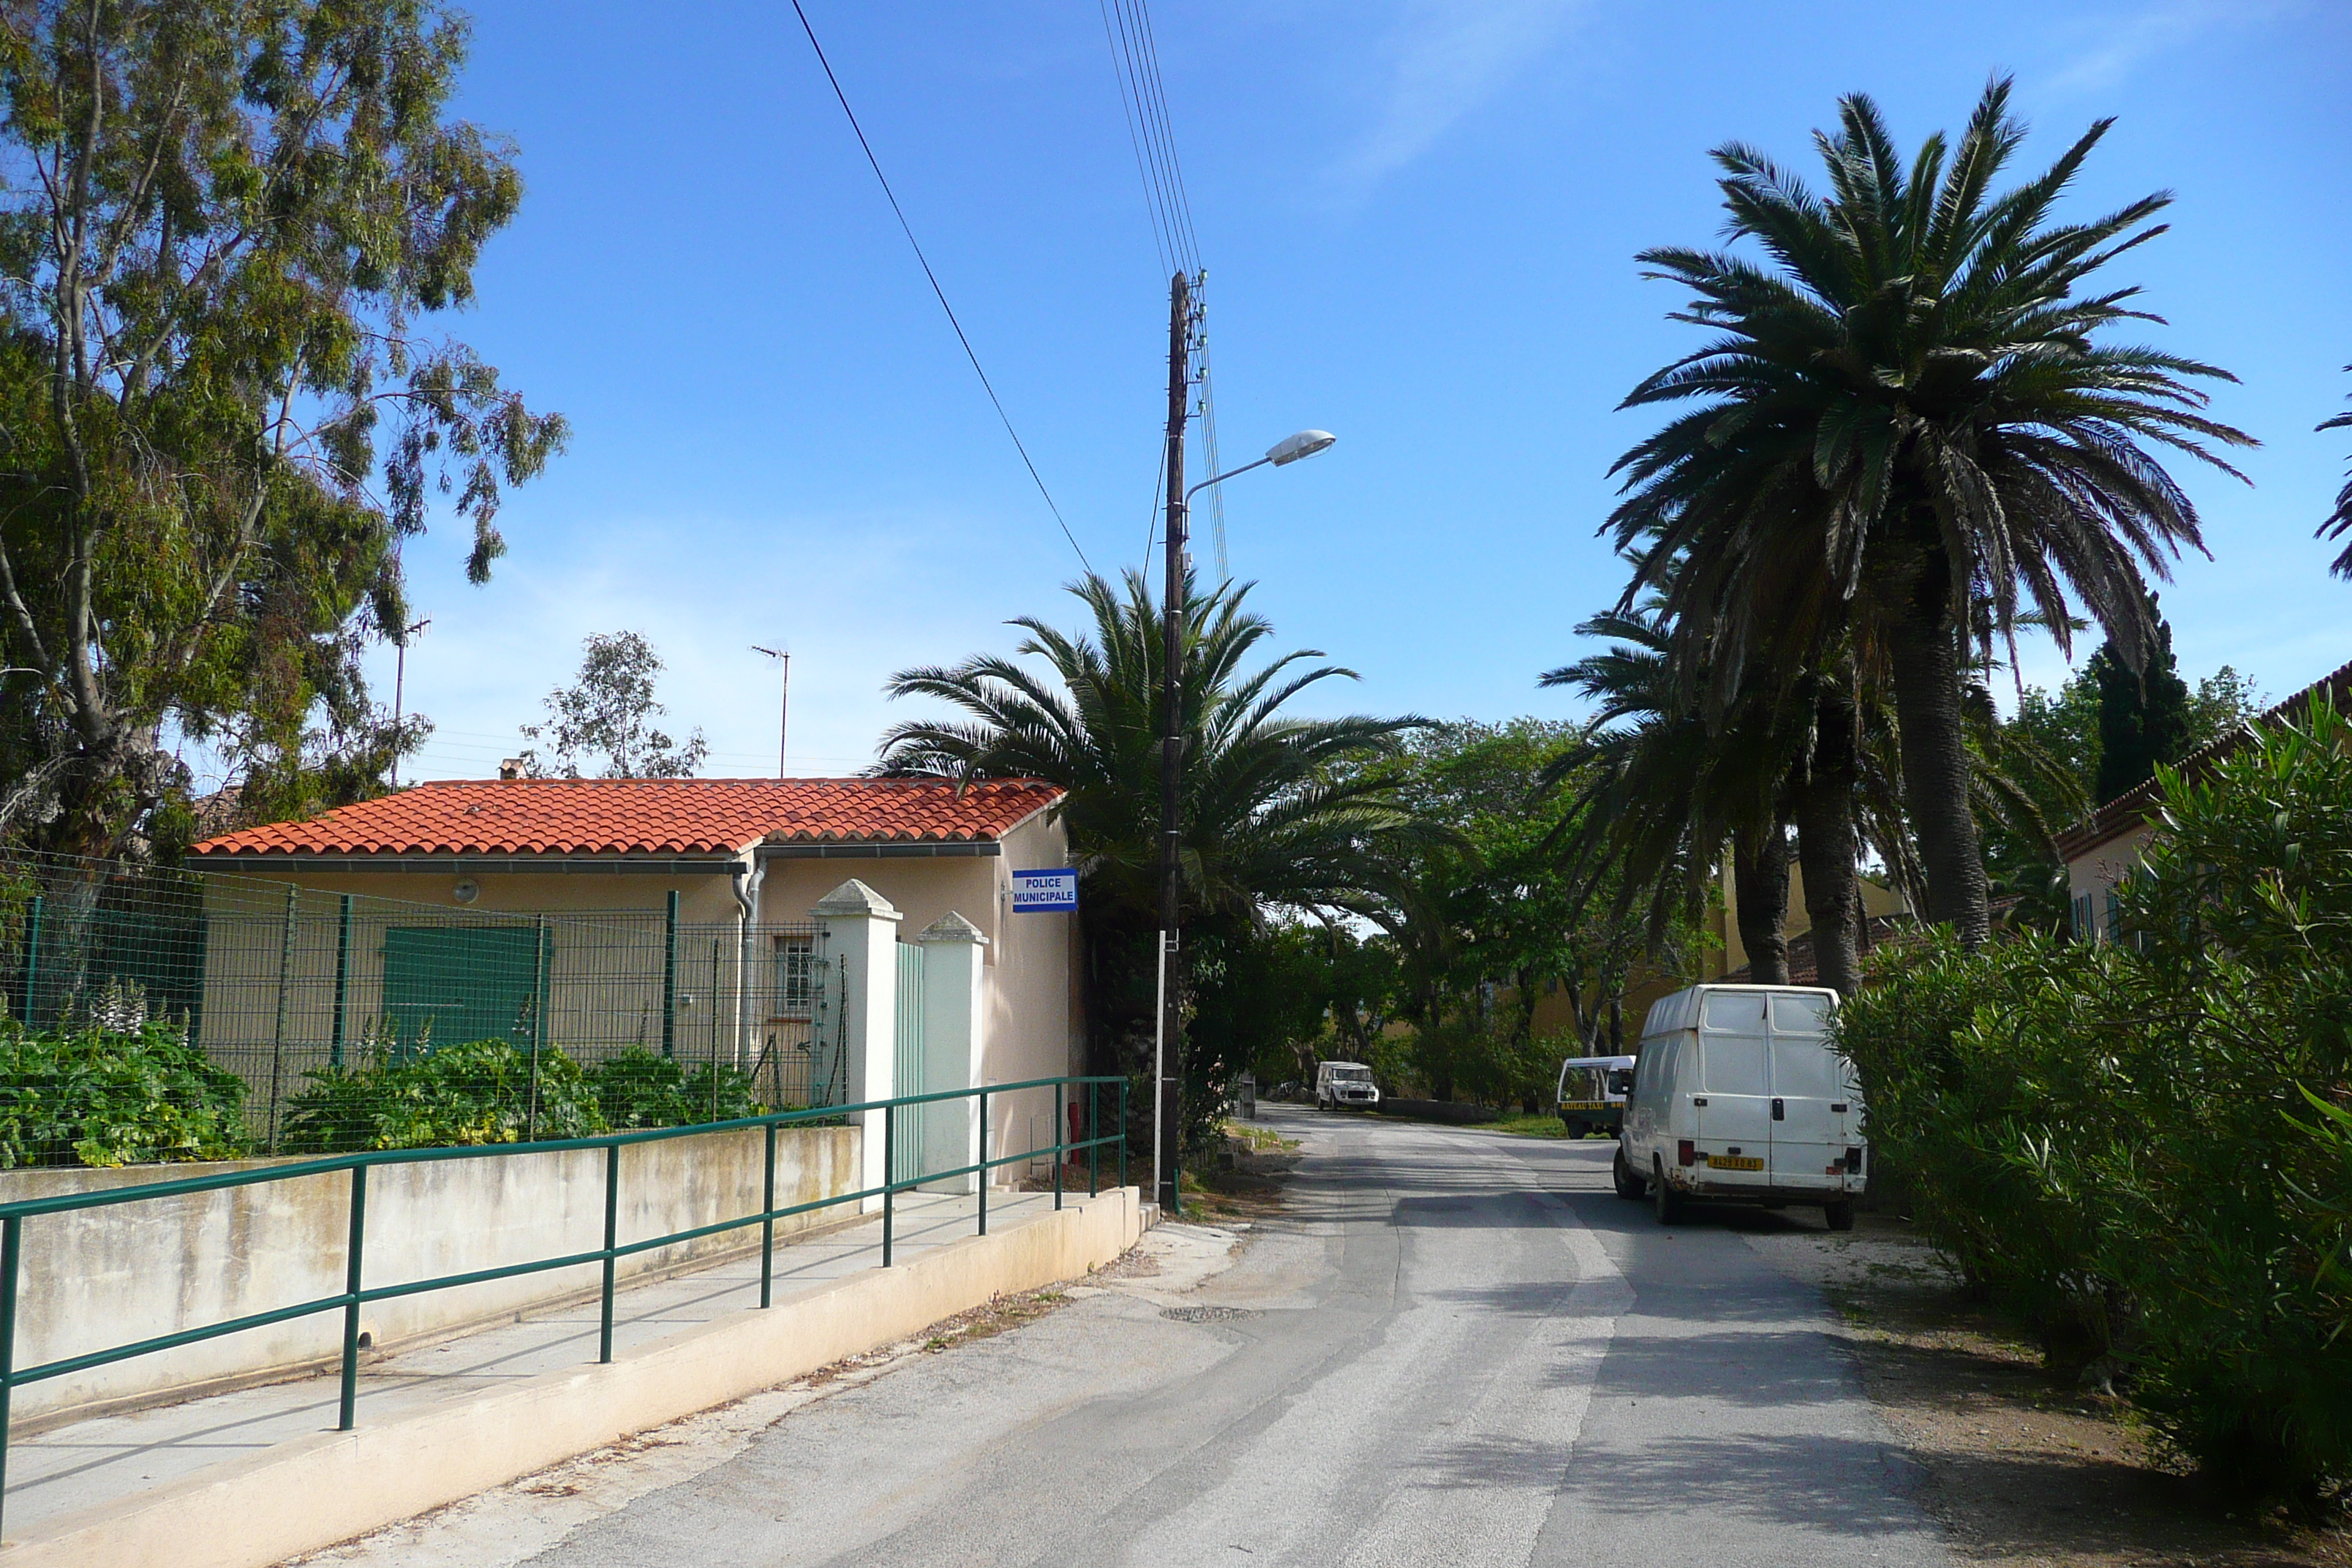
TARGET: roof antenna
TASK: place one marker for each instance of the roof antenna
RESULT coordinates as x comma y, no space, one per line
783,703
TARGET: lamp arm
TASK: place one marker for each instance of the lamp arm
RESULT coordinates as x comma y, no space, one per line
1220,478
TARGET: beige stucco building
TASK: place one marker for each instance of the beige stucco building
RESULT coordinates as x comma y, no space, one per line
675,915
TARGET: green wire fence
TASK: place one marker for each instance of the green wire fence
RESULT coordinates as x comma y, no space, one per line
261,1017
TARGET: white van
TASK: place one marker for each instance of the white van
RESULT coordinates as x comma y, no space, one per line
1740,1098
1591,1093
1338,1085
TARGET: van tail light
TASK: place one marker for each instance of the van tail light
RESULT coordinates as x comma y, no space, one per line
1853,1162
1685,1153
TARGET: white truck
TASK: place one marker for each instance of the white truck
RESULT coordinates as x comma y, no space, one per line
1738,1097
1338,1085
1591,1093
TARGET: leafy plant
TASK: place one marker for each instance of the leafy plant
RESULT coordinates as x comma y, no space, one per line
2119,1141
484,1092
104,1097
638,1088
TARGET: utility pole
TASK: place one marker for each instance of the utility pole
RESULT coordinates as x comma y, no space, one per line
1167,1106
783,704
399,686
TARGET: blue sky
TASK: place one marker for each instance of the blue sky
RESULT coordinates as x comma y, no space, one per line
1419,220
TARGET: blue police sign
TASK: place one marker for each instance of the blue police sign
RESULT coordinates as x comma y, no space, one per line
1045,892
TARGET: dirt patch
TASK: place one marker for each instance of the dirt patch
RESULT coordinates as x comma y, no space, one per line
2022,1468
1247,1184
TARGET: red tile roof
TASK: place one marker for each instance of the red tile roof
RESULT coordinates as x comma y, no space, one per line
646,817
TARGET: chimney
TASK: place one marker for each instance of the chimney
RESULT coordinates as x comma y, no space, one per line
510,768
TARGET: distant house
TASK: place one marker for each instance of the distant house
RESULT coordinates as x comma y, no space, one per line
2108,845
676,915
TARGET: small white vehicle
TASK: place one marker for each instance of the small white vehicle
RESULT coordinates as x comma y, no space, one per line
1591,1093
1740,1098
1338,1085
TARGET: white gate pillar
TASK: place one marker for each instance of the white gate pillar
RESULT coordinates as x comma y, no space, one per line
955,1045
861,932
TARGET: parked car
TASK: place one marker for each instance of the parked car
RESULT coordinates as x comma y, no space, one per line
1591,1093
1341,1085
1740,1098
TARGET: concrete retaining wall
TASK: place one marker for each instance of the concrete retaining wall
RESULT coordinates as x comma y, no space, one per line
316,1490
99,1278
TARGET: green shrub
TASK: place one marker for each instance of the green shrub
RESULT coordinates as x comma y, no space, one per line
638,1088
479,1092
2142,1147
104,1097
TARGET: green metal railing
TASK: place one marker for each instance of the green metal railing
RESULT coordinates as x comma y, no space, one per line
357,1293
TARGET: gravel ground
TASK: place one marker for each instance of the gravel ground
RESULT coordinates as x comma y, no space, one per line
2024,1470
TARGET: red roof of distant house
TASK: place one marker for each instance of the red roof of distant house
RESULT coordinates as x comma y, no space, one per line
2118,817
646,816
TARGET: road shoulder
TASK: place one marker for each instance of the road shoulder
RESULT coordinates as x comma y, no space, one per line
2020,1468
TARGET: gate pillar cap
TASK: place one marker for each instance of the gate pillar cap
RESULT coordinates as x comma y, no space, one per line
854,898
952,927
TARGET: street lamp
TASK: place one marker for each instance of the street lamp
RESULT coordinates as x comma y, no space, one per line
1165,1104
1289,449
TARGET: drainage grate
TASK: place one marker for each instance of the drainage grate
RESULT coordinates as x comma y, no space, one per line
1205,1314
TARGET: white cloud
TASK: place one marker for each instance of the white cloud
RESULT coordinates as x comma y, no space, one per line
1445,59
2124,44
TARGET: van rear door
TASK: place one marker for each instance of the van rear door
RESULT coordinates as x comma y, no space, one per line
1734,1124
1808,1080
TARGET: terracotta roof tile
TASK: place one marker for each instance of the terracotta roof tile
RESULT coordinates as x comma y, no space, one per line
646,817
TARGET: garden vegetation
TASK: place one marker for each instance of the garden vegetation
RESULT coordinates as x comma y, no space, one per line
2143,1148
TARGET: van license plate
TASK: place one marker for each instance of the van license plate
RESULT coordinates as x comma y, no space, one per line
1735,1162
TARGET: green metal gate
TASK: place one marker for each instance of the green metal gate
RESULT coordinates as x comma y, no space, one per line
444,985
907,1127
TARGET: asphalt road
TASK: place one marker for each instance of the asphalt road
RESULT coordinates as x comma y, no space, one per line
1456,1348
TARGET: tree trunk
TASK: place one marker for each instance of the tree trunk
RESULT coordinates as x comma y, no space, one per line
1828,846
1759,879
1924,656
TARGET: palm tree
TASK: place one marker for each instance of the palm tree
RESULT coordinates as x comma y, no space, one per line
1670,788
1906,414
1274,811
2339,522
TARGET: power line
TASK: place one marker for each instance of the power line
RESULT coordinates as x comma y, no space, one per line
1143,100
941,294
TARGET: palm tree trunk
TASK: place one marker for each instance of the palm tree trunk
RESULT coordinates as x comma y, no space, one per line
1759,884
1828,847
1924,657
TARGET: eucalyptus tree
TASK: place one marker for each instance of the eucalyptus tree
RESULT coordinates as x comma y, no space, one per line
226,226
1276,810
1909,409
607,716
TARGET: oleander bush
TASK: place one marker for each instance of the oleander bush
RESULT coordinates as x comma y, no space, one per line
97,1095
2143,1148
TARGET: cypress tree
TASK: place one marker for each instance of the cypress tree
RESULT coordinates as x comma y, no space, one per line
2143,719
